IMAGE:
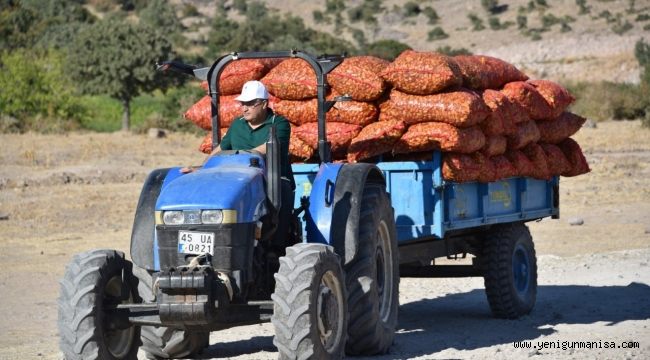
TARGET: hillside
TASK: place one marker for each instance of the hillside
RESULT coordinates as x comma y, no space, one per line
558,41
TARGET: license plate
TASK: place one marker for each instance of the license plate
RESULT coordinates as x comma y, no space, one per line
194,242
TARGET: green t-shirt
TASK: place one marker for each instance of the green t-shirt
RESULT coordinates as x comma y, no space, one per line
241,136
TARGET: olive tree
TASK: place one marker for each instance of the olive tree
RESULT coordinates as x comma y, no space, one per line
117,58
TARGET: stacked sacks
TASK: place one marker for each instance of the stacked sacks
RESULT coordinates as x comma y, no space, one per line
293,82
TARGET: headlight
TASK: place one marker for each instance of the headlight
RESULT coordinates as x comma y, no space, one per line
212,216
173,217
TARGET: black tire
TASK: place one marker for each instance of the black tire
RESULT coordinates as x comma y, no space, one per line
309,304
162,342
510,268
94,281
373,277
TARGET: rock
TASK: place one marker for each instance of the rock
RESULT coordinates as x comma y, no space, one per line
647,230
590,124
4,216
156,133
576,221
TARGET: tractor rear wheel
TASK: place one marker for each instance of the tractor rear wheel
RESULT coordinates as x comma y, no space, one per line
93,283
373,276
160,342
309,312
510,270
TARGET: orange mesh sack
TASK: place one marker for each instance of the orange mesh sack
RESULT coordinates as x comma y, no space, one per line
557,97
501,119
460,168
201,114
206,143
355,79
440,136
555,131
576,158
299,150
458,108
523,165
338,134
537,156
238,72
375,139
529,98
555,159
292,79
527,133
503,168
298,112
486,72
494,145
353,112
422,73
488,170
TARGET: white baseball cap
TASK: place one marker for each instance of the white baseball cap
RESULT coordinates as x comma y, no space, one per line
253,90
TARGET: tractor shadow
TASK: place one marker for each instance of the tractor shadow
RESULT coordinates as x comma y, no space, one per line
463,321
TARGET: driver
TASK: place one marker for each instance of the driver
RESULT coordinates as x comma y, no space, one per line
250,132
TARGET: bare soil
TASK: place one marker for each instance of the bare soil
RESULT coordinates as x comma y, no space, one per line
64,194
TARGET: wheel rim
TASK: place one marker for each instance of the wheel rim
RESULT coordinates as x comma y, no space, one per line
520,269
330,311
384,263
118,341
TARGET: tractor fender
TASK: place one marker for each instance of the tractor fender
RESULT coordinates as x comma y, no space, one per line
144,227
348,192
318,217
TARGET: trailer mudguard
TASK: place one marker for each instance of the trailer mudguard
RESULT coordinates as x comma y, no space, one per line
142,235
339,221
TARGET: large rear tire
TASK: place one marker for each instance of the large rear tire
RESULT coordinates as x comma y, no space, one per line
373,277
510,269
310,312
162,342
93,282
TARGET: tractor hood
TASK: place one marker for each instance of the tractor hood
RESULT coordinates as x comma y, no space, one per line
226,187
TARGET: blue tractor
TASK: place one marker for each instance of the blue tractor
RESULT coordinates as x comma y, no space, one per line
202,259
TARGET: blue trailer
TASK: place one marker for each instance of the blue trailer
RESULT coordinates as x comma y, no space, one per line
205,253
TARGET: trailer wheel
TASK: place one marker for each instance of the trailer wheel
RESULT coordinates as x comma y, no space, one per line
510,271
160,342
310,312
373,277
93,282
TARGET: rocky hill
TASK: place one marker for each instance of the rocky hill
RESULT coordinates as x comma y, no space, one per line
580,40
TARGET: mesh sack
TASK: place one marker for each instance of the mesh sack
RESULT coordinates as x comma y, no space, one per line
458,108
523,165
557,97
460,168
357,80
440,136
501,119
557,163
503,168
353,112
487,171
298,112
292,79
372,63
375,139
529,98
422,73
537,156
527,132
201,114
486,72
494,145
299,150
555,131
338,134
576,158
206,143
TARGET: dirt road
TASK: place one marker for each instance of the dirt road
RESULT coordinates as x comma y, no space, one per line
60,195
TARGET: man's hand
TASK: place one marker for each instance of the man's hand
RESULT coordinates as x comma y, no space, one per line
188,169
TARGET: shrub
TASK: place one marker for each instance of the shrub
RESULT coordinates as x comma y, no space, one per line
411,9
496,24
386,49
621,27
448,50
642,17
190,10
437,34
431,14
477,22
606,100
584,9
522,22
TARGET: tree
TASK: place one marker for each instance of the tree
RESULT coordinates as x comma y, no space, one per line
386,49
117,58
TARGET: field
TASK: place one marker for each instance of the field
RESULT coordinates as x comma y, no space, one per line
63,194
